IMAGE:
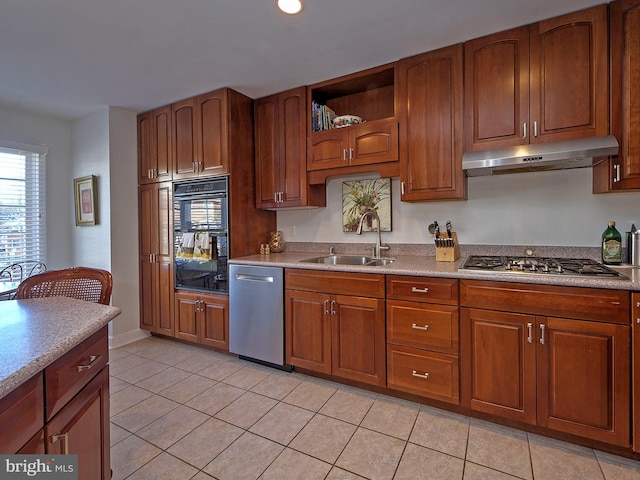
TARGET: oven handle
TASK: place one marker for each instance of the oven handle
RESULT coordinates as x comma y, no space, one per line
200,196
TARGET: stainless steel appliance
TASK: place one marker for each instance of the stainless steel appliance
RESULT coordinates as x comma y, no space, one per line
256,314
579,153
201,232
540,265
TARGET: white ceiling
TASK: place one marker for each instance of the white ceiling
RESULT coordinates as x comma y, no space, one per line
68,58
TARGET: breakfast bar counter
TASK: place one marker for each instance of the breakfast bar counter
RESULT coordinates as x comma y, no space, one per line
34,333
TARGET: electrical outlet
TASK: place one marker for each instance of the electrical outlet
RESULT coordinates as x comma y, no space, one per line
292,231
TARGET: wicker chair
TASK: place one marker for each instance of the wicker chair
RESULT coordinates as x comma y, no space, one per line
90,284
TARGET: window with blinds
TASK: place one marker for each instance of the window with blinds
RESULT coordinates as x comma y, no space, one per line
22,205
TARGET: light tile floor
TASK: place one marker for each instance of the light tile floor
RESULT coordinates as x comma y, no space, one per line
180,412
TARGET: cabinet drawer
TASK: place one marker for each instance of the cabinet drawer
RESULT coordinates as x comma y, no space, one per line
338,283
21,414
428,374
66,376
611,306
422,325
423,289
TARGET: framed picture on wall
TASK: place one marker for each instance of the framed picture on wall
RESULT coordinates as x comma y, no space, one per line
85,199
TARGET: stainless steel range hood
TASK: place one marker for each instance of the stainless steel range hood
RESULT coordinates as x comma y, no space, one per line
580,153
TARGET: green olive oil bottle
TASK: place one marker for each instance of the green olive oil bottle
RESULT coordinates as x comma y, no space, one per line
611,245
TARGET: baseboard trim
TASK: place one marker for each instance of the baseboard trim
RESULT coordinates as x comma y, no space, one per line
126,338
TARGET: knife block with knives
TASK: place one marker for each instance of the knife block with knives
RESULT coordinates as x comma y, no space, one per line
447,248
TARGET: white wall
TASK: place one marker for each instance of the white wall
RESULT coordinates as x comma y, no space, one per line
25,127
104,144
123,170
90,154
538,209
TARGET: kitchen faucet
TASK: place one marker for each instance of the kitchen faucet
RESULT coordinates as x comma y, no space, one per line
379,245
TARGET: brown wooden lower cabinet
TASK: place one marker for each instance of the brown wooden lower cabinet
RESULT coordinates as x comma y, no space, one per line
22,413
74,419
635,414
82,428
428,374
341,335
565,374
202,318
422,337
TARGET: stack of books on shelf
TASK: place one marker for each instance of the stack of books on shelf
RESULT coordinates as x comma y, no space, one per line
321,117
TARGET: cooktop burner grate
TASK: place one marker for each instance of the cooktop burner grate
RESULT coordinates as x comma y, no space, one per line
540,265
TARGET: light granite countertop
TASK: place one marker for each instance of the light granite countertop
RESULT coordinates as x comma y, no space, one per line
34,333
426,265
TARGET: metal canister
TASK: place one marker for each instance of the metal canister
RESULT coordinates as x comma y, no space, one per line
633,248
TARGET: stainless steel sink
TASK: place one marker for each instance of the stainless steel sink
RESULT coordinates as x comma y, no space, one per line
349,260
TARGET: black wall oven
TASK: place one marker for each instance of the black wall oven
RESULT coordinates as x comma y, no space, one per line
201,234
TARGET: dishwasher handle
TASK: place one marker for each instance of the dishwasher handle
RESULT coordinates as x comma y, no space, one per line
254,278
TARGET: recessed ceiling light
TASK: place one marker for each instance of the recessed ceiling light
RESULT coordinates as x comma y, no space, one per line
290,7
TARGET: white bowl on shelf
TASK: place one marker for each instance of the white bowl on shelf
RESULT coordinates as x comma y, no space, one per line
346,120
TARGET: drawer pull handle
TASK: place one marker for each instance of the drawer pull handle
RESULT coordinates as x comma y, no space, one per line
424,375
530,331
65,442
420,290
418,327
542,333
93,359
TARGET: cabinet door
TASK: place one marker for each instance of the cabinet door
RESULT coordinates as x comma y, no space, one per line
213,322
498,363
82,428
184,138
145,156
569,76
623,171
211,133
431,130
583,383
186,321
267,151
308,330
358,339
148,240
293,147
373,142
154,146
328,149
156,258
496,90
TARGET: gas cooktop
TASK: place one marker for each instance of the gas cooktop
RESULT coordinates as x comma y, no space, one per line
540,265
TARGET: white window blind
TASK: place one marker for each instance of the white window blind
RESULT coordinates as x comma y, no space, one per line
22,204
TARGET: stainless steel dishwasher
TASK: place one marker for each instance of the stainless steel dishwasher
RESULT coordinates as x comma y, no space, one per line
256,314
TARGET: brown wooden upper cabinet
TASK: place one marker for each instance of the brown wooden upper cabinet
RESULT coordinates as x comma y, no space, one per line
430,92
370,95
199,135
281,152
623,171
539,83
154,146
